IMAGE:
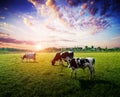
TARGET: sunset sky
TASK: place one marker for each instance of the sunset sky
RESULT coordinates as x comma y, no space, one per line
36,24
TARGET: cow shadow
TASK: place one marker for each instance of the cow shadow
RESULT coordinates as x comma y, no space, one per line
60,65
29,62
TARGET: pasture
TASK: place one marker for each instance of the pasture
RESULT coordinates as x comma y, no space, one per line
41,79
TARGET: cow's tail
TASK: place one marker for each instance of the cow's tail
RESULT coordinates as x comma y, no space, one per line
72,54
93,61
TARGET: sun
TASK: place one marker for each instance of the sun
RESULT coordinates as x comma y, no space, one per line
38,47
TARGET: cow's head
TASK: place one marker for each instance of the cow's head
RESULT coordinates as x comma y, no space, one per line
53,62
23,57
56,58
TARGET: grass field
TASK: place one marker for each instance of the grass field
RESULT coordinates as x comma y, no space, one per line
41,79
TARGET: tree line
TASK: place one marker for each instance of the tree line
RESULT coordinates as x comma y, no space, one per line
82,49
75,49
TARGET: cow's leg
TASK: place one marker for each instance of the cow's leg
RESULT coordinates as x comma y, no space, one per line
93,72
68,60
34,59
71,73
22,59
75,74
28,59
61,62
91,69
68,63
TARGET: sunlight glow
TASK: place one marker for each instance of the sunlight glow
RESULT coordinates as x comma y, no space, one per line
38,47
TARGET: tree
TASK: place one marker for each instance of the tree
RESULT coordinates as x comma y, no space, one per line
92,47
99,48
86,47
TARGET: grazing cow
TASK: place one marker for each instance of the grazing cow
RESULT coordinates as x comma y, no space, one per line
62,56
29,55
76,63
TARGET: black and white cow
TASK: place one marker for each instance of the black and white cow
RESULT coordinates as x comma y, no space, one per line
28,56
62,56
76,63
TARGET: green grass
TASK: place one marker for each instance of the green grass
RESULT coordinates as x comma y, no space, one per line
41,79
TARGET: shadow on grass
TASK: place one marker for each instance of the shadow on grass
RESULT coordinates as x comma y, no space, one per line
99,88
89,84
60,65
29,62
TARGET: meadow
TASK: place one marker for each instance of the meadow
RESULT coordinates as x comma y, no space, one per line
41,79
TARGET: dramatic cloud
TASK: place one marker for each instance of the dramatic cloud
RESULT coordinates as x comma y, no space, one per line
59,23
78,14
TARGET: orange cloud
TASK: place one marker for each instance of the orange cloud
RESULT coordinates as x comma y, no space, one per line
50,3
33,2
84,6
27,22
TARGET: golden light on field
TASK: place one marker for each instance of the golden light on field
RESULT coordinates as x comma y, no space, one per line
38,47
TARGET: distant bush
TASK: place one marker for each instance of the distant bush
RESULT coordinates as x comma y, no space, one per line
8,50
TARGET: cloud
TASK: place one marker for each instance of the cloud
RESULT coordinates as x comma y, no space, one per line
27,22
84,6
73,2
5,8
11,40
4,35
66,20
85,13
50,3
1,44
59,30
2,17
67,40
33,2
117,38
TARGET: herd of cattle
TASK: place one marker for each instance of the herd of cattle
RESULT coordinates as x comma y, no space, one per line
68,57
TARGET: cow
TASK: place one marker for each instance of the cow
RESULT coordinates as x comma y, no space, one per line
62,56
76,63
28,56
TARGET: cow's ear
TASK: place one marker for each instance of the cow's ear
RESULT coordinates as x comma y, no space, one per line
69,60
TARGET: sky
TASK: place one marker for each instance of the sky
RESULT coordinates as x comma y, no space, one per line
39,24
